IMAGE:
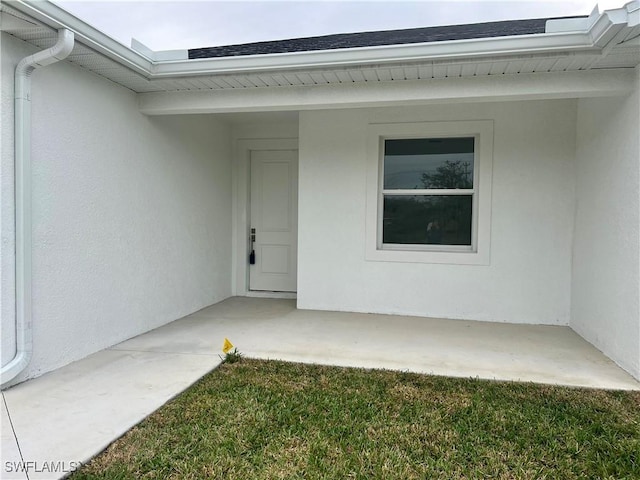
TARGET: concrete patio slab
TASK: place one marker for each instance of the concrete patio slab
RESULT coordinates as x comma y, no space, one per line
11,460
69,415
268,328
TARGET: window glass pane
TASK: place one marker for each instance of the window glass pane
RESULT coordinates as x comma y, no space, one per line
427,219
421,163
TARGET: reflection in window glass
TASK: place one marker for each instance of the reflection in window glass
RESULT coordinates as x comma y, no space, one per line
429,163
427,219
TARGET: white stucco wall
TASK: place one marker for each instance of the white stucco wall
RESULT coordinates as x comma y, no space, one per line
529,276
606,269
7,222
131,214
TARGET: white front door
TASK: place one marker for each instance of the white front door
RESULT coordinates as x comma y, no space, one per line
274,216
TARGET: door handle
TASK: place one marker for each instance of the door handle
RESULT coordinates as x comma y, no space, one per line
252,255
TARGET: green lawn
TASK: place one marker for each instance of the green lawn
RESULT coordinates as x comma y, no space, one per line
266,419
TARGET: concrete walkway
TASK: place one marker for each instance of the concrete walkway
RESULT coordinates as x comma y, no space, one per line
69,415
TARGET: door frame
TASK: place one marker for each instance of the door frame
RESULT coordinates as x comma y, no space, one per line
241,211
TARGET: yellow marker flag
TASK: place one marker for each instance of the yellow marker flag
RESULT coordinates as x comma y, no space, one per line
226,346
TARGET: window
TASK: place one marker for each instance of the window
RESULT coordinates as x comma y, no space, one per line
429,192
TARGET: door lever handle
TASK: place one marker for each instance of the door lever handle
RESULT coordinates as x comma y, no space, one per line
252,255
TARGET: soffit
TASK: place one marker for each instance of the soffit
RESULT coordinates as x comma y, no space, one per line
622,55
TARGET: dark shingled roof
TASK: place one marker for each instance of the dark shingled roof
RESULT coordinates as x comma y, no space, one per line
370,39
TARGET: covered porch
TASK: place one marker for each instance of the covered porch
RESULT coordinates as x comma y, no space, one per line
72,413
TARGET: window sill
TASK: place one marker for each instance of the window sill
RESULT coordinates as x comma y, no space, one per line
430,256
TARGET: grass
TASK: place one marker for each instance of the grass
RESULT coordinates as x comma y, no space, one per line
232,356
266,419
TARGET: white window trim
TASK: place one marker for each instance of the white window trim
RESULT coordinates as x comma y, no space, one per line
479,253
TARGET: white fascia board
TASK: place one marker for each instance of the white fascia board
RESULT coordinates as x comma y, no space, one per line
634,16
56,18
557,25
604,29
608,26
484,47
164,55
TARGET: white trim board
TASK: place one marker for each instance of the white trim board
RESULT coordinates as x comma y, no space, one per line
493,88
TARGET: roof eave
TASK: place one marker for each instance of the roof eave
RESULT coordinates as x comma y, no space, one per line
55,17
596,38
456,49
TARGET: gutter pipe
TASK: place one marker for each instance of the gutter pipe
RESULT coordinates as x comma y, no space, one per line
22,141
582,37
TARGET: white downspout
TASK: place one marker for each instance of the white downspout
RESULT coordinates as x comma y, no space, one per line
22,141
